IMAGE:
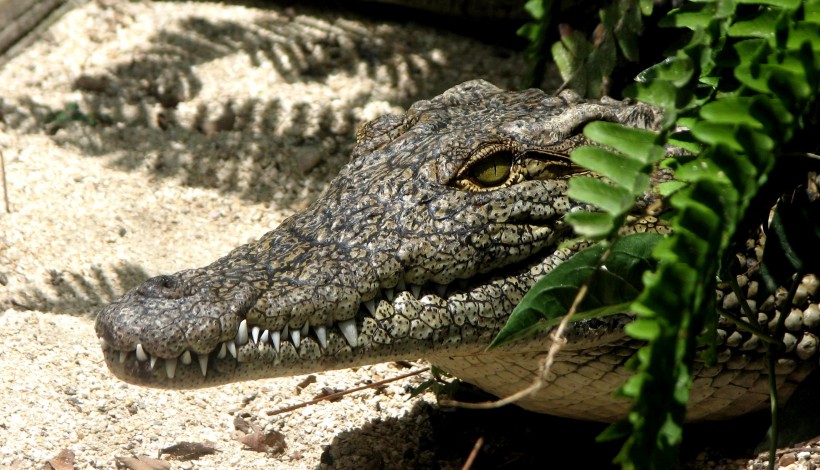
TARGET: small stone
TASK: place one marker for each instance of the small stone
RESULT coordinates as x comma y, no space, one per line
742,280
787,459
805,455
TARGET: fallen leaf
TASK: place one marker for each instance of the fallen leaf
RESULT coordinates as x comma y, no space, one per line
143,463
310,379
189,450
242,424
62,461
271,442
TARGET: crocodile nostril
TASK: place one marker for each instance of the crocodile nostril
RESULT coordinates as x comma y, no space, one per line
168,287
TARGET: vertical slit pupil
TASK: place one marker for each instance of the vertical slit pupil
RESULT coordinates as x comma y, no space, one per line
492,170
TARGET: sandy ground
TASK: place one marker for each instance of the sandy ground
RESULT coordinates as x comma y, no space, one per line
147,137
187,129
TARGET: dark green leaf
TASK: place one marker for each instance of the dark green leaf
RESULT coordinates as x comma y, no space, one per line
790,4
657,92
761,24
535,8
612,199
617,285
733,110
621,169
690,15
677,70
636,143
594,225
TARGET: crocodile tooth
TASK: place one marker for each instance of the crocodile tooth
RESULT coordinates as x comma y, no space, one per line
171,367
305,329
295,337
275,337
321,334
242,333
441,290
265,337
203,363
223,351
348,328
416,290
141,356
123,355
255,334
103,342
371,306
153,361
232,348
186,358
401,285
388,294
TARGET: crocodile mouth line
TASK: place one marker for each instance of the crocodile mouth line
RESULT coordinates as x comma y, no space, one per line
307,342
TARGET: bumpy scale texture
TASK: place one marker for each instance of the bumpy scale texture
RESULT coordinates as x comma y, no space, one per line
421,247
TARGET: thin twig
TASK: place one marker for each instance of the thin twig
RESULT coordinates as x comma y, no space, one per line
5,188
743,325
473,453
333,396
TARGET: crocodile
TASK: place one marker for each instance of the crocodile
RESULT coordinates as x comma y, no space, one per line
420,248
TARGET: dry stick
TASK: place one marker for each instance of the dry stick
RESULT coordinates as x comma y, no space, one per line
345,392
5,189
473,453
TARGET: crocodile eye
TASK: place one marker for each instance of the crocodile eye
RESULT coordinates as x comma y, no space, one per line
492,170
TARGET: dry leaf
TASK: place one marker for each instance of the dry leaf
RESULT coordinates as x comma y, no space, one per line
272,442
189,450
62,461
310,379
242,424
143,463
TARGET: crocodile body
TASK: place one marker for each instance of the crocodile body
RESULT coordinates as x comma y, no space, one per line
421,247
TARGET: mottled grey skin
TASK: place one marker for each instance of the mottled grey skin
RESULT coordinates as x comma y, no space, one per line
410,248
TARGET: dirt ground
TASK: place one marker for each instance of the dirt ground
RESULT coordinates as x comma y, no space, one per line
142,138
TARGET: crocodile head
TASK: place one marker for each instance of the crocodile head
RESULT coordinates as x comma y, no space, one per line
422,246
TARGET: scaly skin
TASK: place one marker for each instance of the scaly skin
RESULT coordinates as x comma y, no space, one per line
420,249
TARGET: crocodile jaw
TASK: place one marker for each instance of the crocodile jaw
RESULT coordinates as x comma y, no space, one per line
398,259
